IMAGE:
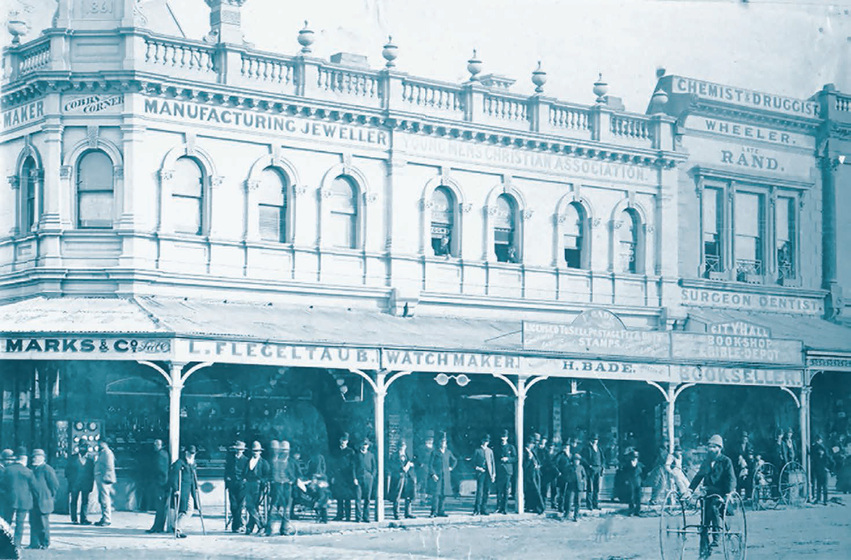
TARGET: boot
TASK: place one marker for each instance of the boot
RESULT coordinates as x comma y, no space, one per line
408,514
396,509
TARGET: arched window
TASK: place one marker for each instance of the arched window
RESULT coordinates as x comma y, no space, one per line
505,230
95,190
344,207
574,235
272,198
28,186
627,239
188,196
442,221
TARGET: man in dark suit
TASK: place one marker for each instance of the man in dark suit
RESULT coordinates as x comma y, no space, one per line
506,459
257,477
343,478
159,477
531,471
485,468
562,465
18,486
8,457
440,477
593,461
235,465
183,478
575,484
46,487
285,473
80,472
718,478
366,469
633,472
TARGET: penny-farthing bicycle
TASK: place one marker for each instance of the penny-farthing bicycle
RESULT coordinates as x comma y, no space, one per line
765,493
793,484
681,521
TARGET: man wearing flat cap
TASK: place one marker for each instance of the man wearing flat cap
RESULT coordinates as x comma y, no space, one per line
506,459
18,486
257,476
235,465
718,478
46,487
182,483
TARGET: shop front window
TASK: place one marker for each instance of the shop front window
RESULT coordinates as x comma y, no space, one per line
95,190
442,221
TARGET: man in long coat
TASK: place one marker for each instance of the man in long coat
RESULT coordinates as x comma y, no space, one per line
257,477
531,477
506,461
485,469
343,478
593,461
366,469
403,480
105,478
440,477
46,487
159,477
235,465
80,473
183,478
18,487
718,478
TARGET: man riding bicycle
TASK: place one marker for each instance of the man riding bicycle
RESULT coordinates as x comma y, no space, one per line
719,479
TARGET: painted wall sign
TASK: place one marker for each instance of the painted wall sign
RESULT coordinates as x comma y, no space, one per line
92,104
705,297
836,364
738,376
733,129
596,369
583,337
739,328
254,121
745,97
24,114
276,354
84,348
460,362
503,156
733,348
751,158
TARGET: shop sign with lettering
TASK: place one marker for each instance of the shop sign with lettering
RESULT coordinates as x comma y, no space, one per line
735,348
744,97
268,353
596,369
451,362
595,332
738,376
830,364
92,104
747,132
705,297
25,114
515,158
751,159
259,121
85,348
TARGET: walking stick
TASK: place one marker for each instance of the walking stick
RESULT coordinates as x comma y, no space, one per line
197,498
227,509
177,504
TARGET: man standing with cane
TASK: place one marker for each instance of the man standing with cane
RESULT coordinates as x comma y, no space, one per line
183,483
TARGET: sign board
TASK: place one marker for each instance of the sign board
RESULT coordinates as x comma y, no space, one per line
751,158
737,376
268,353
92,104
193,114
749,132
24,114
735,348
708,297
450,362
85,348
596,332
739,328
744,97
596,369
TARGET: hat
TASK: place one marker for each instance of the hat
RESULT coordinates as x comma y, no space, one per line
365,441
504,433
39,453
238,446
716,440
8,455
275,444
595,436
577,457
191,450
429,434
344,436
285,444
486,438
256,446
21,451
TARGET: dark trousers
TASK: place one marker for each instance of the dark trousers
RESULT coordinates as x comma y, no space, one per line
592,497
39,529
83,497
19,517
253,495
534,501
820,487
282,497
363,495
344,509
483,488
160,495
711,521
236,497
437,504
571,501
503,487
634,493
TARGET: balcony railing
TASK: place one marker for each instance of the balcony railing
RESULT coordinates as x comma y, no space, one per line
180,55
711,263
748,270
35,57
569,117
843,103
631,127
267,69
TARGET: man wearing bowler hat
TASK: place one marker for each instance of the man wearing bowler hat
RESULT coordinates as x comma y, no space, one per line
257,476
18,487
506,461
160,478
485,467
343,478
235,465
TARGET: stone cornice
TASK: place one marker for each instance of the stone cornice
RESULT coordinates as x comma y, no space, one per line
799,124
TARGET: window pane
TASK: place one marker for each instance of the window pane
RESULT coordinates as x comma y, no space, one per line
711,214
572,238
343,196
442,210
747,214
627,241
272,187
28,179
504,217
342,230
95,172
187,178
785,238
270,223
784,223
187,212
95,209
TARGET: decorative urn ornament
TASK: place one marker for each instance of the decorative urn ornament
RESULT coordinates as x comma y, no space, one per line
539,78
390,52
474,66
601,88
659,100
17,27
306,38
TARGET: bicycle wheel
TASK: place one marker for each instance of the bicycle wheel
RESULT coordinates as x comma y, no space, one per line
672,523
765,494
734,528
793,484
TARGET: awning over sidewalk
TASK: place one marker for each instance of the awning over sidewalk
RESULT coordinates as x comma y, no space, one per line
41,315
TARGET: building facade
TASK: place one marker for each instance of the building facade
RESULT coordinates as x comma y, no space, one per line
204,241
